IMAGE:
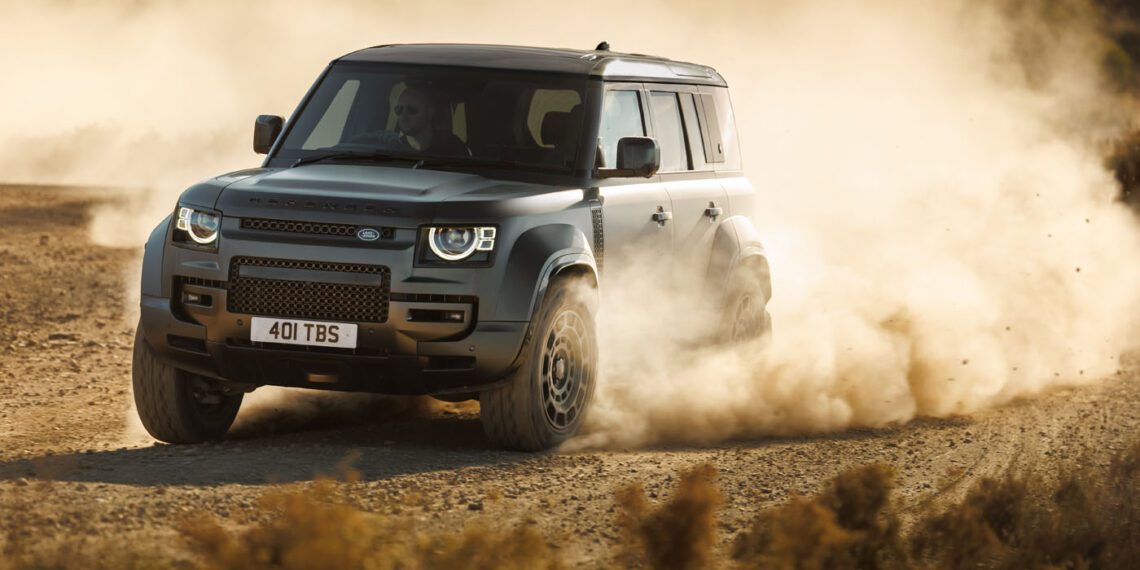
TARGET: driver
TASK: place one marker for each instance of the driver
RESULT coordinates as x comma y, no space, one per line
420,127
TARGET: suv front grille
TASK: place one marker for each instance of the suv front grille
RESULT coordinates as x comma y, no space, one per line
310,228
320,299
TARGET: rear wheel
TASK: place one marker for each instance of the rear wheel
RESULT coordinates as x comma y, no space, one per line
544,402
176,406
745,316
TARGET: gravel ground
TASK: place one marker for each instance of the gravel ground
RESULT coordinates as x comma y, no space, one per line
73,463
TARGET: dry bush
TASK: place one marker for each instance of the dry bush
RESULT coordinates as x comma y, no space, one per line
305,530
478,547
851,524
979,531
680,534
93,554
1089,519
314,528
31,538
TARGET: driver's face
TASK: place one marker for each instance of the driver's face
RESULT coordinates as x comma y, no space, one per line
414,112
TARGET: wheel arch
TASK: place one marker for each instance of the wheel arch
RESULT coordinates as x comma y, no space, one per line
152,282
737,245
539,256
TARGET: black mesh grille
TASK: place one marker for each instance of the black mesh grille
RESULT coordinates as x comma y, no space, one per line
433,298
308,299
310,228
183,280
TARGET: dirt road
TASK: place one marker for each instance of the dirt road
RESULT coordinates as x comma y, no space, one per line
65,342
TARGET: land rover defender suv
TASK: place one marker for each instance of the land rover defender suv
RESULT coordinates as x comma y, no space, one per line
437,220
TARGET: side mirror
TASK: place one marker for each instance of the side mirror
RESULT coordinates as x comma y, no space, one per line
636,156
265,132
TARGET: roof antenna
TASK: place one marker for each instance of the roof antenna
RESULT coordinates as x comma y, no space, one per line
604,46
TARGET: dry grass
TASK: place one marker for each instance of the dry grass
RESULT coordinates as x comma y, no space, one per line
1088,518
851,524
678,535
311,527
33,539
316,528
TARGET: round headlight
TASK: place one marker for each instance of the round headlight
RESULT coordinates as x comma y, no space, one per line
204,227
452,244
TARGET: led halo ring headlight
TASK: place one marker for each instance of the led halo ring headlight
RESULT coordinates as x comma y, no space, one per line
202,227
455,243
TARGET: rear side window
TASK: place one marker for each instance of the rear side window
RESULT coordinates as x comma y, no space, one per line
730,146
718,129
621,117
670,133
710,128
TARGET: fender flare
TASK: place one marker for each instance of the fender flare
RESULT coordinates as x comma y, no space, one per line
152,284
538,256
737,243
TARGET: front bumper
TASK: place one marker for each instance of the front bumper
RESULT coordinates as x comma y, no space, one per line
398,356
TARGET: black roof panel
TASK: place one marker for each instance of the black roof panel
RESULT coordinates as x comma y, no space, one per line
608,65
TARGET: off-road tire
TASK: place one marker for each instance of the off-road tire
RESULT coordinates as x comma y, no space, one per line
516,415
166,402
745,314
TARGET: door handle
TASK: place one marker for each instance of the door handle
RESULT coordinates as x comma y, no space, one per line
661,216
713,212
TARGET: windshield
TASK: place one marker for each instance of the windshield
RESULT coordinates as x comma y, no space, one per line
458,114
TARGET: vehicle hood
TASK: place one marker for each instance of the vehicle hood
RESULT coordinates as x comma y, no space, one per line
387,191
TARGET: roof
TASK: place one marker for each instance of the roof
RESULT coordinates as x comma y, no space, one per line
604,64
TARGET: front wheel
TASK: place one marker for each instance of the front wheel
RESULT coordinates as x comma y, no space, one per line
545,400
176,406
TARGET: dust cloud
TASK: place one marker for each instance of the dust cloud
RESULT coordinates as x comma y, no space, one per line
942,232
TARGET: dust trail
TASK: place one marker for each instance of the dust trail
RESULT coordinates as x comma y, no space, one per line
929,178
943,234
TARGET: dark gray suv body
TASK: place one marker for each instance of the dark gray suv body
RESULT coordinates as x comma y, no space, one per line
426,222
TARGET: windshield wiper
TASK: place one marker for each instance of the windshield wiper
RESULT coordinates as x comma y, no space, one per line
353,155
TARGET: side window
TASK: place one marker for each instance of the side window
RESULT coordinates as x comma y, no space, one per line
727,128
719,129
714,146
330,128
670,133
621,117
693,131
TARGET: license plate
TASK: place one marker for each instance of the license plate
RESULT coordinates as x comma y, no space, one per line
308,333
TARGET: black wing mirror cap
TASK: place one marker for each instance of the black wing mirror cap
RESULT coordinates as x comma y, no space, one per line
636,157
265,132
